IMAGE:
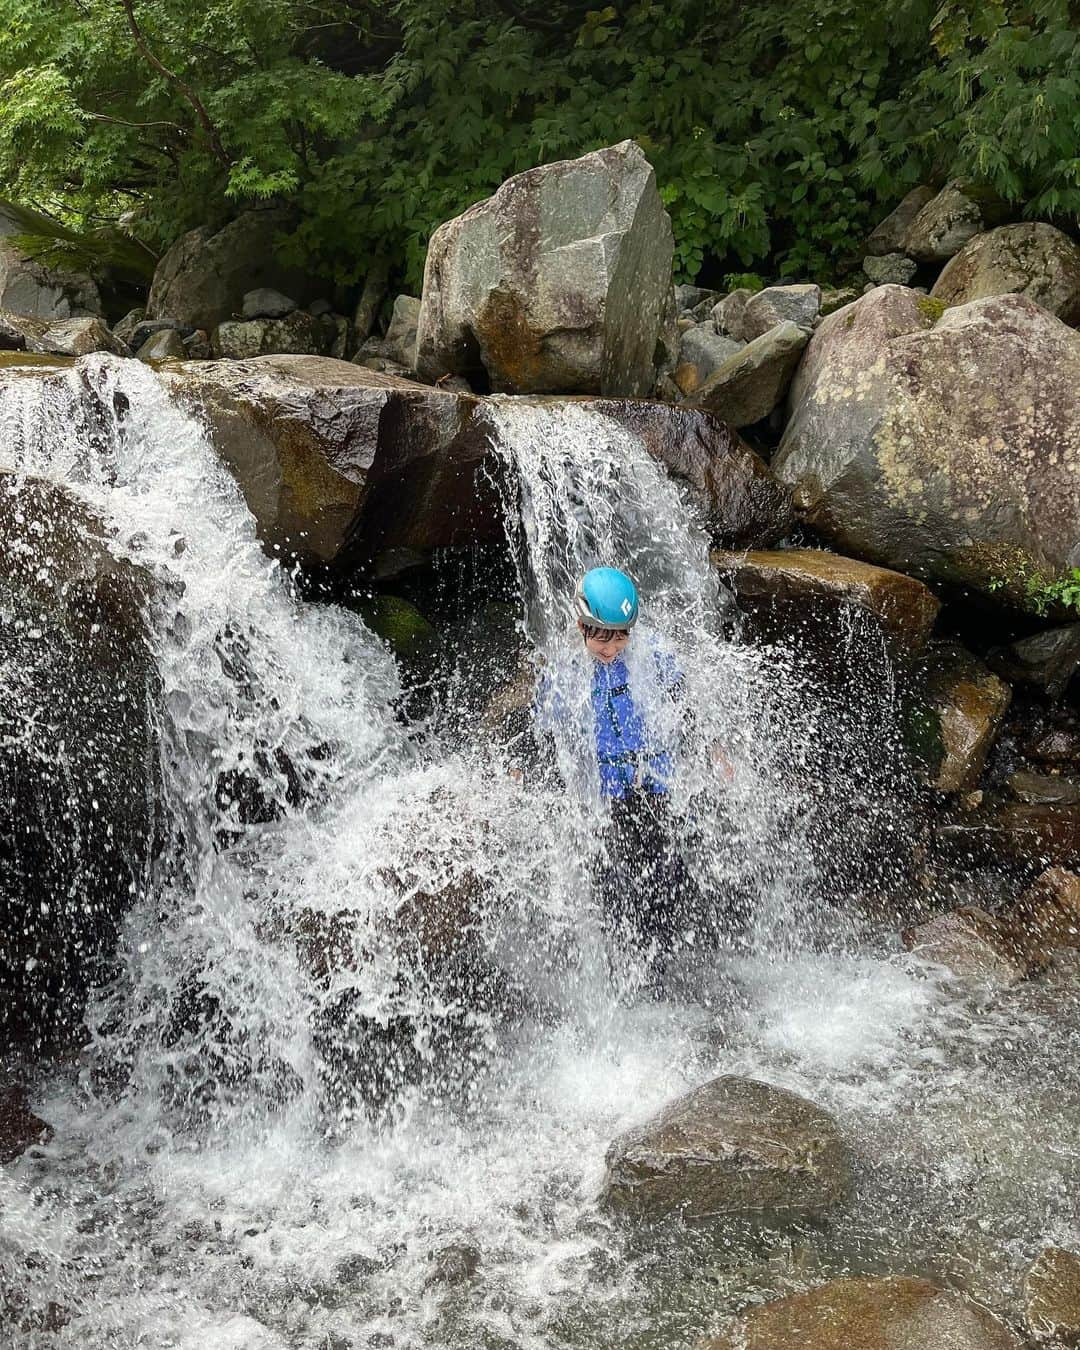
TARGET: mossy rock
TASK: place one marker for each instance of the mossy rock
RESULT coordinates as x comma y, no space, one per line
400,625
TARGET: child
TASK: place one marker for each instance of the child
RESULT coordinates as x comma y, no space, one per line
645,891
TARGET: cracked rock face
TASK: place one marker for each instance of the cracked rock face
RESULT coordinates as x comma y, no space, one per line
945,444
556,284
1031,259
732,1146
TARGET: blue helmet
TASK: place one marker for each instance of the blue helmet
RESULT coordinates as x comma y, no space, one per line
606,598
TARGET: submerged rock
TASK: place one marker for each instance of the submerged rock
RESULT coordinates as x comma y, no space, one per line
338,463
1052,1297
557,283
77,785
947,447
970,703
1031,259
20,1128
732,1146
870,1314
786,587
753,381
455,1264
1047,915
972,943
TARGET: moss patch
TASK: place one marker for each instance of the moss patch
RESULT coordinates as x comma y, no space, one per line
931,307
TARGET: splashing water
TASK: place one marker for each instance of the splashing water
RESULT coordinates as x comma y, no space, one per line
214,1182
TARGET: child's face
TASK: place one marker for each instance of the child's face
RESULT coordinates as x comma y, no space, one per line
605,644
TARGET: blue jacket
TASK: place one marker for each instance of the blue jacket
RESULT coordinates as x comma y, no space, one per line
630,755
626,757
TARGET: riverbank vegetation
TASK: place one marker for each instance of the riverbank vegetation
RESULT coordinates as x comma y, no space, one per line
780,132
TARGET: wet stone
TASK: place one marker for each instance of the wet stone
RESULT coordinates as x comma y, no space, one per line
1043,789
1052,1296
20,1128
870,1314
970,942
455,1264
732,1146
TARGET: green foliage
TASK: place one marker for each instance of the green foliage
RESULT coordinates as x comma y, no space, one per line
743,281
779,132
1040,594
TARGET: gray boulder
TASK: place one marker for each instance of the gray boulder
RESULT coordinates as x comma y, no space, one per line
399,343
864,1313
1031,259
689,297
28,286
733,1146
727,314
202,279
146,328
944,445
945,224
889,269
126,327
58,337
779,304
166,345
753,381
557,283
701,352
266,303
891,235
240,339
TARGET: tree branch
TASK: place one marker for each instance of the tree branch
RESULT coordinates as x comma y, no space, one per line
128,7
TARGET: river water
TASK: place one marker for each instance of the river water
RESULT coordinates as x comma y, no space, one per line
215,1180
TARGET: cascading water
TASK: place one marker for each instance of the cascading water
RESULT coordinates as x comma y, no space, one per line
216,1179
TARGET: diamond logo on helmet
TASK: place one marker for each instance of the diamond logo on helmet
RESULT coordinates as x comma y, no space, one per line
627,608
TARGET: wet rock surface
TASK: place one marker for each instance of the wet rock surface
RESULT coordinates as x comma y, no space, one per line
783,587
970,703
336,461
732,1146
557,283
1052,1294
973,944
60,337
892,459
870,1314
20,1128
81,687
1046,660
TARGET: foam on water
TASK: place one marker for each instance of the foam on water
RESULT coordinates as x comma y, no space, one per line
199,1192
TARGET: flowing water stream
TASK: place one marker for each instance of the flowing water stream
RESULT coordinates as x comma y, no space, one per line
215,1180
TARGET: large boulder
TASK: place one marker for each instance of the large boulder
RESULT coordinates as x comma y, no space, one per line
203,278
970,703
742,503
1047,915
338,463
732,1146
76,749
973,944
1031,259
400,339
788,587
944,445
754,380
28,286
558,283
895,1313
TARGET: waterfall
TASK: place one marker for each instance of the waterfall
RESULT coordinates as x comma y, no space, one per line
300,1088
